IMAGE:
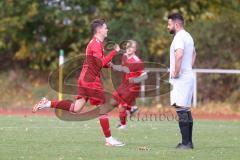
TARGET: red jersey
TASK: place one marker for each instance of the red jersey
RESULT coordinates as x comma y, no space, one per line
95,60
127,93
134,64
89,82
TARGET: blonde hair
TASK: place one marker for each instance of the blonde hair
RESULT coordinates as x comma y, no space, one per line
130,43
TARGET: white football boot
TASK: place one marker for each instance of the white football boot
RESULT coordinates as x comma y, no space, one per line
43,103
113,142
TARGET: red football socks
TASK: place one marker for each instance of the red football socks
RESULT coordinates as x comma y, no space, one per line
67,105
104,121
123,117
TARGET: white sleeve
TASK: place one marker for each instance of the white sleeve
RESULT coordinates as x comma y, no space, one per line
140,78
179,42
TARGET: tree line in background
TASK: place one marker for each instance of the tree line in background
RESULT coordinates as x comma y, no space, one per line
33,31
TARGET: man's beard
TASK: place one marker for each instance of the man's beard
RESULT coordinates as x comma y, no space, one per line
172,31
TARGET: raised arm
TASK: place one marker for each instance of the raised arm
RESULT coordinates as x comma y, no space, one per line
109,57
98,53
105,60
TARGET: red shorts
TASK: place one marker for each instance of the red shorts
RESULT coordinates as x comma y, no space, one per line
126,94
92,91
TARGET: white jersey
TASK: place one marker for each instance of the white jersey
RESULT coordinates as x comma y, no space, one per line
182,40
181,93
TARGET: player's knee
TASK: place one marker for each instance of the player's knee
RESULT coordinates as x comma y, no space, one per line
79,104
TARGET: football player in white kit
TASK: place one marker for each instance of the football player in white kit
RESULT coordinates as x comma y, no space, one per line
182,57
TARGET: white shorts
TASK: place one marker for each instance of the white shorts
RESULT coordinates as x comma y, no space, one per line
182,90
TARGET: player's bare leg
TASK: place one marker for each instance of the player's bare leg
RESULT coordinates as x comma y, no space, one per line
79,105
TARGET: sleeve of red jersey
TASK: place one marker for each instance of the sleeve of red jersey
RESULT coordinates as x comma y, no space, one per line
108,58
97,52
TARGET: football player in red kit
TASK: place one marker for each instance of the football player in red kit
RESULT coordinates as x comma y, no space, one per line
128,90
90,87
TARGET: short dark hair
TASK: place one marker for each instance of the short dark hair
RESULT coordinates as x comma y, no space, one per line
176,16
95,24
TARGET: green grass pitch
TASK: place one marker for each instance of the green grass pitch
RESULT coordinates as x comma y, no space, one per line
50,138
